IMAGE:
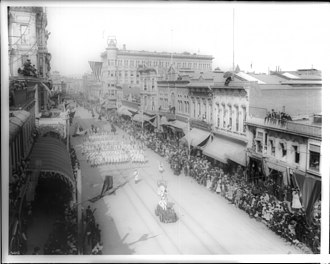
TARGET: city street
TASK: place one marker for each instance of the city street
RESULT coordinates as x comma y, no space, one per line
208,223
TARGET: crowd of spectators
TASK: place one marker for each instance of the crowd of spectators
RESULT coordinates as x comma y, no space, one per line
277,118
257,198
92,233
17,181
28,69
63,238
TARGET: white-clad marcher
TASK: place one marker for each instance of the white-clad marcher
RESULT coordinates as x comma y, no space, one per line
136,176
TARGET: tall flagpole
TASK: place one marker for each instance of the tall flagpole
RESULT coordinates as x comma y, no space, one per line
233,39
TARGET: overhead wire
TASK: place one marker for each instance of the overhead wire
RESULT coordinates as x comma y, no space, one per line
23,32
27,53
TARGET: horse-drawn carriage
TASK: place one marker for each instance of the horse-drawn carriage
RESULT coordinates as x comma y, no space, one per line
164,208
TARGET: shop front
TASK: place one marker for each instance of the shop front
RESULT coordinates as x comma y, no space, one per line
229,154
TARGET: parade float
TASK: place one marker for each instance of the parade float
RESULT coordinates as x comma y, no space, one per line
164,208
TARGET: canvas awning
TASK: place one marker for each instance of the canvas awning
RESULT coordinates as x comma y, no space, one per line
222,150
179,125
197,137
277,167
140,118
124,111
50,154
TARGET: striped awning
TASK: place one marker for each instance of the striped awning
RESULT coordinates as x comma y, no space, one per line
222,150
124,111
179,125
50,154
197,137
142,118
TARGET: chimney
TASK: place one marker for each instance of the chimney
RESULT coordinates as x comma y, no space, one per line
124,46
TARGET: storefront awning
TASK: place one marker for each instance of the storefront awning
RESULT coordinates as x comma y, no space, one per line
50,154
222,150
142,118
275,166
179,125
163,121
197,137
124,111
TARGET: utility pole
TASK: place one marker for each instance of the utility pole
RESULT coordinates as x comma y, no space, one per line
79,214
188,134
67,119
233,39
142,101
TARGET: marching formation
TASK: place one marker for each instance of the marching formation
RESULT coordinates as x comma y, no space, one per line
103,147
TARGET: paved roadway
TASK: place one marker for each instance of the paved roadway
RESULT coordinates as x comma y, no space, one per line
207,223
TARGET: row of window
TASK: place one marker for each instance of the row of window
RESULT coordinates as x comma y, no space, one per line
183,106
163,103
149,85
279,149
231,117
158,63
121,74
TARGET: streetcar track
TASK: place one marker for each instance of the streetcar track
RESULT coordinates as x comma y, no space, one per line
152,216
181,221
194,222
191,218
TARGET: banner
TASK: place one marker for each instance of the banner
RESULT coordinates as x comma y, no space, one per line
96,67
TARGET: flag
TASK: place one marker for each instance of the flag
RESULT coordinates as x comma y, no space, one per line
96,67
46,88
107,184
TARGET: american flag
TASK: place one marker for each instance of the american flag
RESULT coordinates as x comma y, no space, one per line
96,67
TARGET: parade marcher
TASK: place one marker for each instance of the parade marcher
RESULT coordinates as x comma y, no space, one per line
136,176
161,167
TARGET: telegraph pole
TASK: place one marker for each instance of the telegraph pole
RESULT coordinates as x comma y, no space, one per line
188,134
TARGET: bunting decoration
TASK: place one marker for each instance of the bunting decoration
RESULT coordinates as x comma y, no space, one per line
96,67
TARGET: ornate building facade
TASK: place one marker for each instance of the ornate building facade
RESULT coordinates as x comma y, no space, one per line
27,37
121,66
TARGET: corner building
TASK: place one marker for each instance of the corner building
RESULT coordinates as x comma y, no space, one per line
121,66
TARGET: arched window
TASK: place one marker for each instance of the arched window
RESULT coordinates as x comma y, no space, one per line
236,119
224,116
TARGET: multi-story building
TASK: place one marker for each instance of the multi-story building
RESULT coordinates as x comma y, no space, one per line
121,66
28,39
173,103
148,90
29,66
284,134
28,54
229,108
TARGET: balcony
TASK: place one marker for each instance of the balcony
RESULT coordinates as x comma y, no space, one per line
287,126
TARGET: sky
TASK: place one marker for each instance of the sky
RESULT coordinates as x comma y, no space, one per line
291,36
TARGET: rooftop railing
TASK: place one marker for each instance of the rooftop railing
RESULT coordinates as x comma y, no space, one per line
290,126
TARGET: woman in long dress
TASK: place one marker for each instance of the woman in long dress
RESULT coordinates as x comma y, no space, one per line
218,190
296,204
